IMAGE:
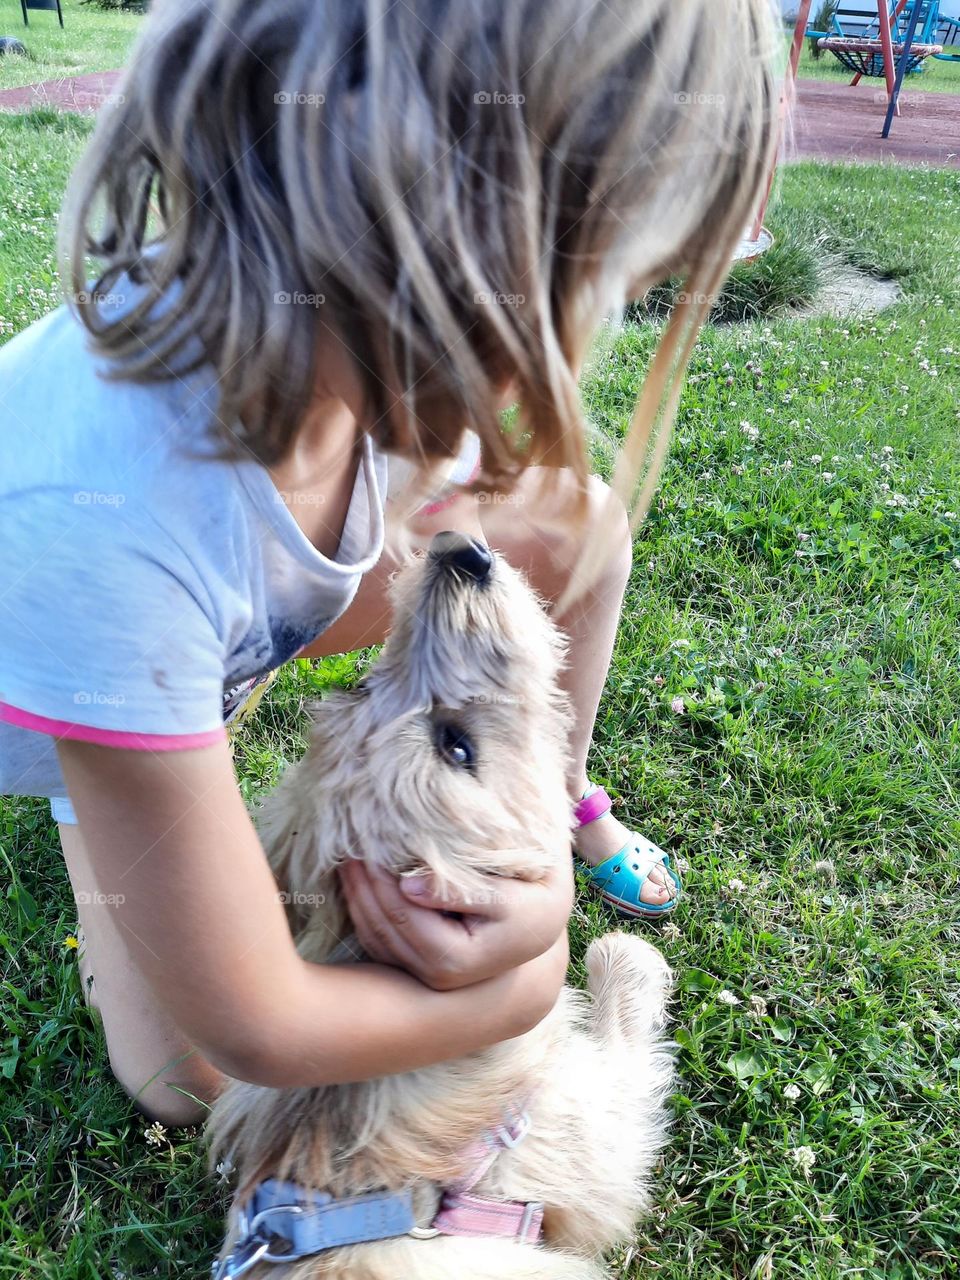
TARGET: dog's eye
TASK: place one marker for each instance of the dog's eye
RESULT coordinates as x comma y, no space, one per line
455,746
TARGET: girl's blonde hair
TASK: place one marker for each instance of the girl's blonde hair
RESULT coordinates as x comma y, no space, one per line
459,190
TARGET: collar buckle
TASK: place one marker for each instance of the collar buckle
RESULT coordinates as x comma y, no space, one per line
256,1242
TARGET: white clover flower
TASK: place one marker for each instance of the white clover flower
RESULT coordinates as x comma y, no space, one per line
156,1135
758,1007
817,457
678,706
727,997
804,1158
791,1093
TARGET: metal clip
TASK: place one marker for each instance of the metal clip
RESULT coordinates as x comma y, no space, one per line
255,1243
512,1135
247,1255
530,1211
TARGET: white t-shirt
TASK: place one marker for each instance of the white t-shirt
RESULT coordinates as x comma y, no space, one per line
143,592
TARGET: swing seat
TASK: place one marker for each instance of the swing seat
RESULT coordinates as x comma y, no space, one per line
865,57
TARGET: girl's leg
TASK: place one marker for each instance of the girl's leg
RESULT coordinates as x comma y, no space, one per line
591,625
150,1058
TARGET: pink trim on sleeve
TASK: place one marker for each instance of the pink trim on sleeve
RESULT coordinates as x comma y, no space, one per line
110,737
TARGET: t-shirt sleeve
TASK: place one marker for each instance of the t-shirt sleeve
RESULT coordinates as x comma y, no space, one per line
107,630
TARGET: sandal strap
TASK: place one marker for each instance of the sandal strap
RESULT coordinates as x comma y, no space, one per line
592,806
639,855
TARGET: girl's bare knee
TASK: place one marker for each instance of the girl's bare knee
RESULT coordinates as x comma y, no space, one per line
175,1097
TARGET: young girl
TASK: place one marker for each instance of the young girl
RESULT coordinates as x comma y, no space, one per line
332,242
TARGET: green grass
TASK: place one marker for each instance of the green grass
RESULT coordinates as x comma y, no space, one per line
798,586
91,40
784,278
937,76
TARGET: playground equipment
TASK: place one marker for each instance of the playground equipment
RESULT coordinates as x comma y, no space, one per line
859,42
948,35
52,5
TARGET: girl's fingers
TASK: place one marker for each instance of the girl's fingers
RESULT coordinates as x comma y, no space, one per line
492,902
369,923
394,931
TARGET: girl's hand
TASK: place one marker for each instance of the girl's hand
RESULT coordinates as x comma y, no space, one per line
458,940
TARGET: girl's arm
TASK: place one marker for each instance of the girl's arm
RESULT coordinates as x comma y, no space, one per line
170,837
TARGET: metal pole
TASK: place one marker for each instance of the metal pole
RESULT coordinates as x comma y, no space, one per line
894,103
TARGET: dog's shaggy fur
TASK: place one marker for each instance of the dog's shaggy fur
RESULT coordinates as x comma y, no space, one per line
472,664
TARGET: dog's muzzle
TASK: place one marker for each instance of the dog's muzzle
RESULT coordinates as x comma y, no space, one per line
461,555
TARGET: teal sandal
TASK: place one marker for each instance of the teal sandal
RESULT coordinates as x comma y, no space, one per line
620,878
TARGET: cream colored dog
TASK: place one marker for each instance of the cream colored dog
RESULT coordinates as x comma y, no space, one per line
449,755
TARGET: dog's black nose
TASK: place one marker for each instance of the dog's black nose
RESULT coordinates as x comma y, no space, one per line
466,555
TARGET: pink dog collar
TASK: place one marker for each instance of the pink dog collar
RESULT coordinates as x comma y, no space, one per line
463,1214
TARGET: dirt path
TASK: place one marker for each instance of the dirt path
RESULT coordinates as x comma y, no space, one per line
831,121
840,122
84,94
